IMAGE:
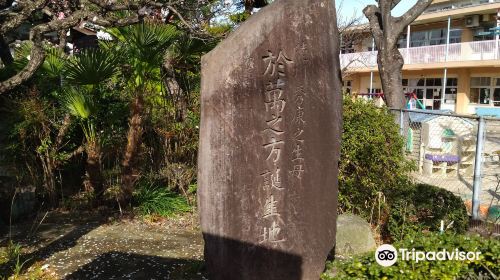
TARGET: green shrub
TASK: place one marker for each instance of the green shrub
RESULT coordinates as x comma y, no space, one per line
365,266
372,164
11,252
153,200
421,208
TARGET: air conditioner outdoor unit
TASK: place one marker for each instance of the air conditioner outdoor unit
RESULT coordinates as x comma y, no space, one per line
472,21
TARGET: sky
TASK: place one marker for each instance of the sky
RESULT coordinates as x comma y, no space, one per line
356,6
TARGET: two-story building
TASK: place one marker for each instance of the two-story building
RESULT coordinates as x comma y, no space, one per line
451,53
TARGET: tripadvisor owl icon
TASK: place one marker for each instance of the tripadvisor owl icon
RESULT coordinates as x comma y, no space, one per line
386,255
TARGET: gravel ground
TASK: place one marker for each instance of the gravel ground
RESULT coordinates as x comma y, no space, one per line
94,247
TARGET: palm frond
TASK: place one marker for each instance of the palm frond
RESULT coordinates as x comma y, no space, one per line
187,51
145,42
78,102
89,131
54,62
91,67
22,55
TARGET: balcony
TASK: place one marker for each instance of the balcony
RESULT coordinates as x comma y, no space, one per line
461,52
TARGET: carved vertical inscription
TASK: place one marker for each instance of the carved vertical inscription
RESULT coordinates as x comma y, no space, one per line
276,65
298,158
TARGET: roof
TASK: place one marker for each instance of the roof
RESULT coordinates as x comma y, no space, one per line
431,16
85,31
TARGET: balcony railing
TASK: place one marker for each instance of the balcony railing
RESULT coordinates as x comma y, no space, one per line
469,51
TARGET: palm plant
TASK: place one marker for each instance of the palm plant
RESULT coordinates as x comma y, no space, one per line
79,104
91,67
87,71
180,66
142,48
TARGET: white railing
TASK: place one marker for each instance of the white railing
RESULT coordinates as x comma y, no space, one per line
469,51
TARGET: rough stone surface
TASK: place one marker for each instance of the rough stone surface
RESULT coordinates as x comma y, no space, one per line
269,144
354,236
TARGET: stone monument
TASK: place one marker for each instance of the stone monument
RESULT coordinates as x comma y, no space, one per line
271,116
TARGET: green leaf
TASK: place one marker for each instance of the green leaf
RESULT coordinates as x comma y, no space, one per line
91,67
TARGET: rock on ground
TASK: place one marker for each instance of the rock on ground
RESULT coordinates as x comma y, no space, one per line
354,236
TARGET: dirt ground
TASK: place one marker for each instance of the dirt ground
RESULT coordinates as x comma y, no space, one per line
90,246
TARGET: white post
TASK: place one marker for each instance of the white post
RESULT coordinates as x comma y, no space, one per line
444,87
497,34
448,38
476,186
408,35
371,72
445,78
371,85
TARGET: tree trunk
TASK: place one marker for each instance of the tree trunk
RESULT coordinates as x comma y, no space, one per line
5,54
62,39
386,31
134,139
390,64
93,170
49,183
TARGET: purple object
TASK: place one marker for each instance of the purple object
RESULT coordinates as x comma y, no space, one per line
443,158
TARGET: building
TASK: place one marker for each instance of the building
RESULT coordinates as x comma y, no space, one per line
451,53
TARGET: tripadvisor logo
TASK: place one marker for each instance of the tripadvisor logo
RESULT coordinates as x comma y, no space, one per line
387,255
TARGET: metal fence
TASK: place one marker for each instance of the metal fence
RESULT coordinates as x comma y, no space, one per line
456,152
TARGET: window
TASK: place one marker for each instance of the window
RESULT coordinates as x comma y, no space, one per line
496,93
480,82
455,36
429,91
432,37
369,44
402,41
420,93
374,90
480,92
483,34
347,87
434,82
437,37
480,95
450,95
496,97
418,39
346,47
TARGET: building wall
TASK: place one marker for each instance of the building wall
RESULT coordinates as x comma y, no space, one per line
360,83
463,71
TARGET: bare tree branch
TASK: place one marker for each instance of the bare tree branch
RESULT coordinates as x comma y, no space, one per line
386,31
110,6
37,54
395,3
373,15
412,14
181,18
103,14
18,18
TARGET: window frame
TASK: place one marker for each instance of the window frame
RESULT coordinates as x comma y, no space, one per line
490,88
